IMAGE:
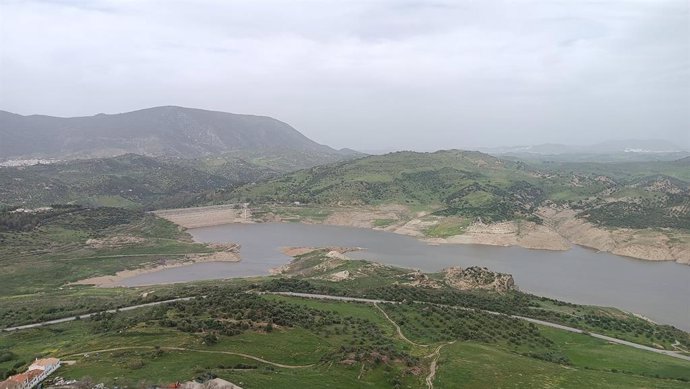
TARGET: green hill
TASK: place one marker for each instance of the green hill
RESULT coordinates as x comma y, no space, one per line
125,181
456,182
476,185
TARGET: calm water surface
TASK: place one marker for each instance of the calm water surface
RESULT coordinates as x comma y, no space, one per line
658,290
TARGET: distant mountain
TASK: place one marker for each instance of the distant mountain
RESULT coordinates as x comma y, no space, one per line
161,131
617,150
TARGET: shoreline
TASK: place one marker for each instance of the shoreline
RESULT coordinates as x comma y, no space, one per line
115,280
295,251
560,233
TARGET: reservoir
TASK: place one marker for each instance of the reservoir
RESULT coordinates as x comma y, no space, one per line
657,290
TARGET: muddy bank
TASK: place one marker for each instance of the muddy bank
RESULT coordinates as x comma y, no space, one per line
226,253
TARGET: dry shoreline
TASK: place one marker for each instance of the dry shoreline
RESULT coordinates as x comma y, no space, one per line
560,231
112,281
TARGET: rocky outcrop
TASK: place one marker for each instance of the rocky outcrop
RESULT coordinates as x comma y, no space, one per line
478,278
417,278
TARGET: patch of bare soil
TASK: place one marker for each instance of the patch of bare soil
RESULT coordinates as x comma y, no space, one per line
365,218
295,251
414,227
338,276
418,279
115,241
511,233
333,252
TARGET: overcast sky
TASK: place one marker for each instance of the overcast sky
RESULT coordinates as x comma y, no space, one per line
366,74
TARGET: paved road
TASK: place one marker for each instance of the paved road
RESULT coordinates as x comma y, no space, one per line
368,301
88,315
535,321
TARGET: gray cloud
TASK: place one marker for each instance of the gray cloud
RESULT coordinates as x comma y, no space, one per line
369,75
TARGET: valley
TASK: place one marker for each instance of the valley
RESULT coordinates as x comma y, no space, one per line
344,194
184,256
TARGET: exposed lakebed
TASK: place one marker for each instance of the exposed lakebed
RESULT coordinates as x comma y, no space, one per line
658,290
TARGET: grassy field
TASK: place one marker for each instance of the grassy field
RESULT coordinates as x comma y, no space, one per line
472,365
146,354
448,227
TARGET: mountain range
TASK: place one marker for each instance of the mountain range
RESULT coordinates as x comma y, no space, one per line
168,131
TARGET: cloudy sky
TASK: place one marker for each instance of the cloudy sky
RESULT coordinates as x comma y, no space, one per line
364,74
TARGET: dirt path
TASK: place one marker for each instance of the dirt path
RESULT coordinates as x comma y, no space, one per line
434,363
528,319
192,350
435,355
397,328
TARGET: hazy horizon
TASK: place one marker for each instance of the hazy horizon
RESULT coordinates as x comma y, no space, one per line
368,76
384,150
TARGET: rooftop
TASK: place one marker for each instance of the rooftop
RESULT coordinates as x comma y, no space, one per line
45,362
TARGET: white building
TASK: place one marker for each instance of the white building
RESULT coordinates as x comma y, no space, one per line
34,375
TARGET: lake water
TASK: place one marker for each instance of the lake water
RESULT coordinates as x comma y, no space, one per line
658,290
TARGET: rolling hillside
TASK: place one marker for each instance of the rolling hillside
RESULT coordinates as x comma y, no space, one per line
476,185
129,181
458,182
